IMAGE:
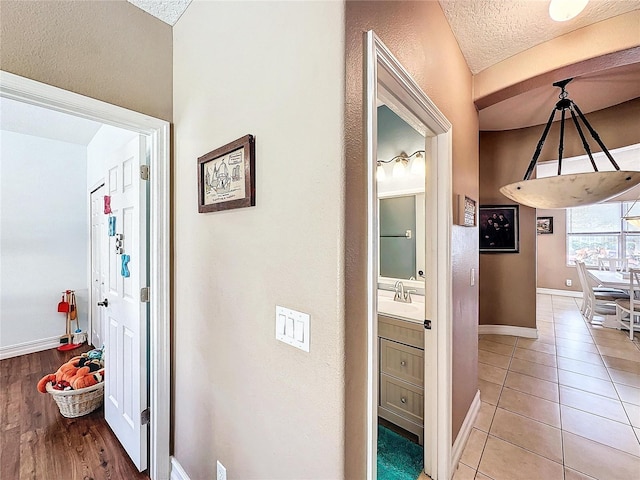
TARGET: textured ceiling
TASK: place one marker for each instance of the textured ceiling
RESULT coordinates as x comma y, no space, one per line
169,11
489,31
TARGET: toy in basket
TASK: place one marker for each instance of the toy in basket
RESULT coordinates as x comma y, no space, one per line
77,387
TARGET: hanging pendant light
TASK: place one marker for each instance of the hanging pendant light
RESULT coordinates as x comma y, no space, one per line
632,219
566,191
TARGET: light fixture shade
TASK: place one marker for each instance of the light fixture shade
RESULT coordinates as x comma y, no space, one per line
575,190
635,221
417,165
398,169
563,10
380,173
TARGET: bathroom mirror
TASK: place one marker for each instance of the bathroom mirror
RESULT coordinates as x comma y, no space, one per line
401,200
401,231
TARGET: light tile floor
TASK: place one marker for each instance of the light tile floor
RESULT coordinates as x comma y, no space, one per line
564,406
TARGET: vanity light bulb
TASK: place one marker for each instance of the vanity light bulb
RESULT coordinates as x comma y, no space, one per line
398,169
563,10
417,165
380,173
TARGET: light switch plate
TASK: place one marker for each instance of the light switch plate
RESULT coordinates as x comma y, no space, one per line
296,327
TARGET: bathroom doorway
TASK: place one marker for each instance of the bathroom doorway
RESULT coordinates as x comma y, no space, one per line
409,263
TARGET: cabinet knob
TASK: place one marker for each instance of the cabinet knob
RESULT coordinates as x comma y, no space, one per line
403,363
403,400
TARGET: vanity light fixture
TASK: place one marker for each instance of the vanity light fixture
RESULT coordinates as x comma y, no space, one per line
400,165
380,175
417,166
563,10
566,191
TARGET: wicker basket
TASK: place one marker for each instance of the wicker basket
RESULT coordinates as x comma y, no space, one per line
75,403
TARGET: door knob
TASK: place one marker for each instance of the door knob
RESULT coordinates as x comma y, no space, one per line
104,304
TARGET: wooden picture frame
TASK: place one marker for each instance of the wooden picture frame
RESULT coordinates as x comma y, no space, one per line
226,177
467,211
499,228
544,225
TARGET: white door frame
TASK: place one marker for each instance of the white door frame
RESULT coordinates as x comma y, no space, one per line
384,70
35,93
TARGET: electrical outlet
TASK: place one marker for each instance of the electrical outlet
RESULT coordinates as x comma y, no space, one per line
221,471
568,282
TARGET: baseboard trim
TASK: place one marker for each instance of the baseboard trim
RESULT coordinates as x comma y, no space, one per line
525,332
560,293
177,472
465,432
25,348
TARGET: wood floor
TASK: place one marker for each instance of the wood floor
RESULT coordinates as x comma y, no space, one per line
38,443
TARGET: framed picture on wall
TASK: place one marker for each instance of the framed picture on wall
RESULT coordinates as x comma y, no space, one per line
499,229
544,225
226,177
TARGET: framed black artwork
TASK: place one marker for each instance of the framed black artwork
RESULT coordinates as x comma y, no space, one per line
499,229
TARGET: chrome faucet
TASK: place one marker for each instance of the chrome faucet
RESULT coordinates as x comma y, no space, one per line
399,288
402,295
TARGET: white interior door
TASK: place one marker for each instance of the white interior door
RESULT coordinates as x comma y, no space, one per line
124,313
98,241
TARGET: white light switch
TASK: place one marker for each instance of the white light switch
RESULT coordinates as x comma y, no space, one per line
295,331
298,332
280,324
289,328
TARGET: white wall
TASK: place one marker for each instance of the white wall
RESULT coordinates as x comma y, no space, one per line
107,140
43,236
261,407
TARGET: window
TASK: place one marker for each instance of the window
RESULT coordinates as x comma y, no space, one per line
598,231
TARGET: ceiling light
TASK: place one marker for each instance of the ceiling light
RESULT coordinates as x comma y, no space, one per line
565,191
563,10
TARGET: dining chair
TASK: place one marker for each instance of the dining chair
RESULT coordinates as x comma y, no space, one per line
596,300
613,264
628,310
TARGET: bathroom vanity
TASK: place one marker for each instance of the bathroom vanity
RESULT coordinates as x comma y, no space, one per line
401,370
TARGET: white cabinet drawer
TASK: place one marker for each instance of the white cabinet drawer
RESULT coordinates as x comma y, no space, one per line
402,398
402,331
402,361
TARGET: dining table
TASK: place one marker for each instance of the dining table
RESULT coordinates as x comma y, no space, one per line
606,278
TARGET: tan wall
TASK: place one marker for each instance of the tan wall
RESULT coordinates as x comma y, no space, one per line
419,36
261,407
504,157
618,126
612,35
109,50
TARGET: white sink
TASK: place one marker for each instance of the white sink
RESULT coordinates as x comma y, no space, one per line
414,311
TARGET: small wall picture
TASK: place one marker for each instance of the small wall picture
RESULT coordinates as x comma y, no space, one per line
226,177
544,225
467,211
499,230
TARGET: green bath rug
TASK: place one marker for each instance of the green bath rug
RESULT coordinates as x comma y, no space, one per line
398,458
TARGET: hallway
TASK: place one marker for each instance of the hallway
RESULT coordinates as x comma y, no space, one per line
564,406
